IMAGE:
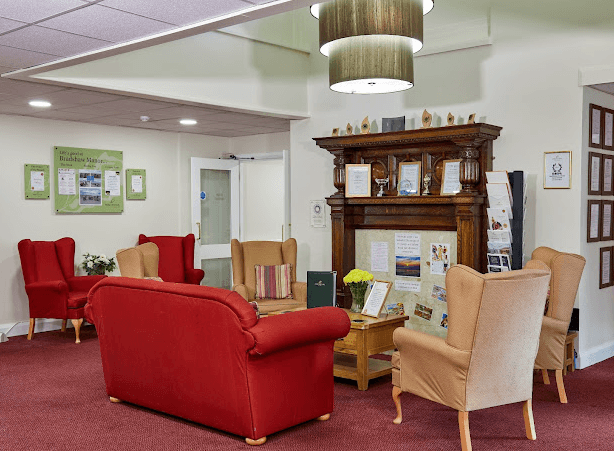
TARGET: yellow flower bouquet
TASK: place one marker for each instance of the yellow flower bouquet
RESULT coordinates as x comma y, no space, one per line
358,281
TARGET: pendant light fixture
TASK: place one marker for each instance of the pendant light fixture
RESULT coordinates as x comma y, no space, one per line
370,43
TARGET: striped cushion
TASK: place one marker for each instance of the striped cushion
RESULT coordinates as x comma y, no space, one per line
274,282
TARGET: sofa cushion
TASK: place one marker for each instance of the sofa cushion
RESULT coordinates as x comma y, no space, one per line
273,282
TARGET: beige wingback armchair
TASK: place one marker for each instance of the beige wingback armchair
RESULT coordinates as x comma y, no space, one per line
246,255
566,272
139,262
487,359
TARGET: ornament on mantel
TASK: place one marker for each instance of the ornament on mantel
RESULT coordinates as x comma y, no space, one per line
349,130
365,127
427,119
450,119
471,119
335,132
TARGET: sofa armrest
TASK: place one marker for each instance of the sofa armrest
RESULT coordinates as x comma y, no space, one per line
299,291
83,283
289,330
194,276
53,287
242,290
47,299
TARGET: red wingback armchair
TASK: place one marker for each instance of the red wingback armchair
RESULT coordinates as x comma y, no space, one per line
53,290
228,369
176,262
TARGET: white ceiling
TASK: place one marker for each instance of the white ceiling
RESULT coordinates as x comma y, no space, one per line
35,32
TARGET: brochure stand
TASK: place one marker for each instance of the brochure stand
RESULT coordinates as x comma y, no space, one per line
518,209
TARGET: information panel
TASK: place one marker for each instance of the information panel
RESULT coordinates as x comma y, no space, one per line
88,180
136,186
36,178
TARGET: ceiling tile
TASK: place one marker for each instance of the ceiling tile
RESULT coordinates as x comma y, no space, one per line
14,109
191,11
19,59
127,105
94,110
7,24
24,88
53,42
33,10
106,23
111,120
62,115
66,98
176,112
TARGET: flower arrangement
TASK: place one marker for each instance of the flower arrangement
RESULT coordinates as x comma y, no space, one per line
97,264
358,281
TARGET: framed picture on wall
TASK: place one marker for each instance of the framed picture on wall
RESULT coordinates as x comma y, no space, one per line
594,174
357,180
608,129
557,170
605,267
450,178
607,187
595,133
605,229
410,176
593,222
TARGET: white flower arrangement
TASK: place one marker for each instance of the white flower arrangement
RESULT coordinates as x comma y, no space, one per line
98,264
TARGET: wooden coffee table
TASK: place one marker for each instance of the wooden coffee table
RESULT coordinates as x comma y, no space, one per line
367,336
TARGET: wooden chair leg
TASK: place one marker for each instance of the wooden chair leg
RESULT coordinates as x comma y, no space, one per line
545,376
396,397
463,425
63,325
257,442
561,386
77,325
112,399
324,417
31,329
529,425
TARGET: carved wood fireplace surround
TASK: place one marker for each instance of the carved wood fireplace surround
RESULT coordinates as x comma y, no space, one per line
464,212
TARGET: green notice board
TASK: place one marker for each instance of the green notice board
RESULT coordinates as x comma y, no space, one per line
136,188
88,180
36,180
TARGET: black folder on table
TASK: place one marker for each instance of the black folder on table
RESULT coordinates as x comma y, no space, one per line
321,289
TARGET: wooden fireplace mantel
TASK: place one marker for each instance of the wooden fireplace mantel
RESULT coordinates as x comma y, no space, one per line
464,212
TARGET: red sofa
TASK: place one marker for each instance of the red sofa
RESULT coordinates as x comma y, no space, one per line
202,354
176,263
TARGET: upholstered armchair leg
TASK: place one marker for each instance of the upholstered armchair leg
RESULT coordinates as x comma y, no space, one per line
77,325
252,442
561,386
545,376
324,417
63,325
112,399
396,397
529,425
31,329
463,425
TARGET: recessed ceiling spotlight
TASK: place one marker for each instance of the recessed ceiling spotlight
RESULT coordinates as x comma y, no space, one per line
144,118
39,103
188,122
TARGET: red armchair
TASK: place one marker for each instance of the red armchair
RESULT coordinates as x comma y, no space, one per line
176,262
226,369
53,290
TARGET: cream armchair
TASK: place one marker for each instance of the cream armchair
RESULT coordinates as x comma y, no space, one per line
245,257
487,359
139,262
566,272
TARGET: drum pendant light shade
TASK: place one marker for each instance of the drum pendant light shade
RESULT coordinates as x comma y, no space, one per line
341,19
426,8
371,64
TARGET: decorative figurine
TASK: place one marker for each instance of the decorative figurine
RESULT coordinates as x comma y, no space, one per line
349,130
335,132
471,119
450,119
427,183
393,124
381,183
365,127
427,118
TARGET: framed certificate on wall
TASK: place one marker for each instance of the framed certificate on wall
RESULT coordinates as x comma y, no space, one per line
595,132
605,267
605,229
357,180
410,176
594,174
593,222
557,170
608,129
607,187
450,178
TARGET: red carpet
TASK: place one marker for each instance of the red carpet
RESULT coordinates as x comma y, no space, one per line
52,397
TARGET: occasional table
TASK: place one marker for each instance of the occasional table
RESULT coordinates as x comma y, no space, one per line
367,336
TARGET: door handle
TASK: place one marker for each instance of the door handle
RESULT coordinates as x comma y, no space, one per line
198,225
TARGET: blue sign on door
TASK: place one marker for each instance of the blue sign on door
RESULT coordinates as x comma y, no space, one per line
203,195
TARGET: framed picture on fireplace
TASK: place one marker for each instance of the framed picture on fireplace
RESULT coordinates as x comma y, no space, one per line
357,180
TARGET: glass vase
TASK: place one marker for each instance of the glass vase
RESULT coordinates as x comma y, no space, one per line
358,290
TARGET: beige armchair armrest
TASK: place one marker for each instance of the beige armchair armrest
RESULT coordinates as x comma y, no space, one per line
431,368
299,291
242,290
551,353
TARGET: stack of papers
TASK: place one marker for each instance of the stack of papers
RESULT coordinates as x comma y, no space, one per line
500,203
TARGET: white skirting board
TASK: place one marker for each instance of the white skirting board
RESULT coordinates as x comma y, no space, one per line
3,338
595,355
42,325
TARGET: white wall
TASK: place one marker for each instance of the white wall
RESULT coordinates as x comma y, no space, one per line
273,142
596,307
526,82
165,156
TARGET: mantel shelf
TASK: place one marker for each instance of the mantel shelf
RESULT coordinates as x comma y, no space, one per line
414,200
